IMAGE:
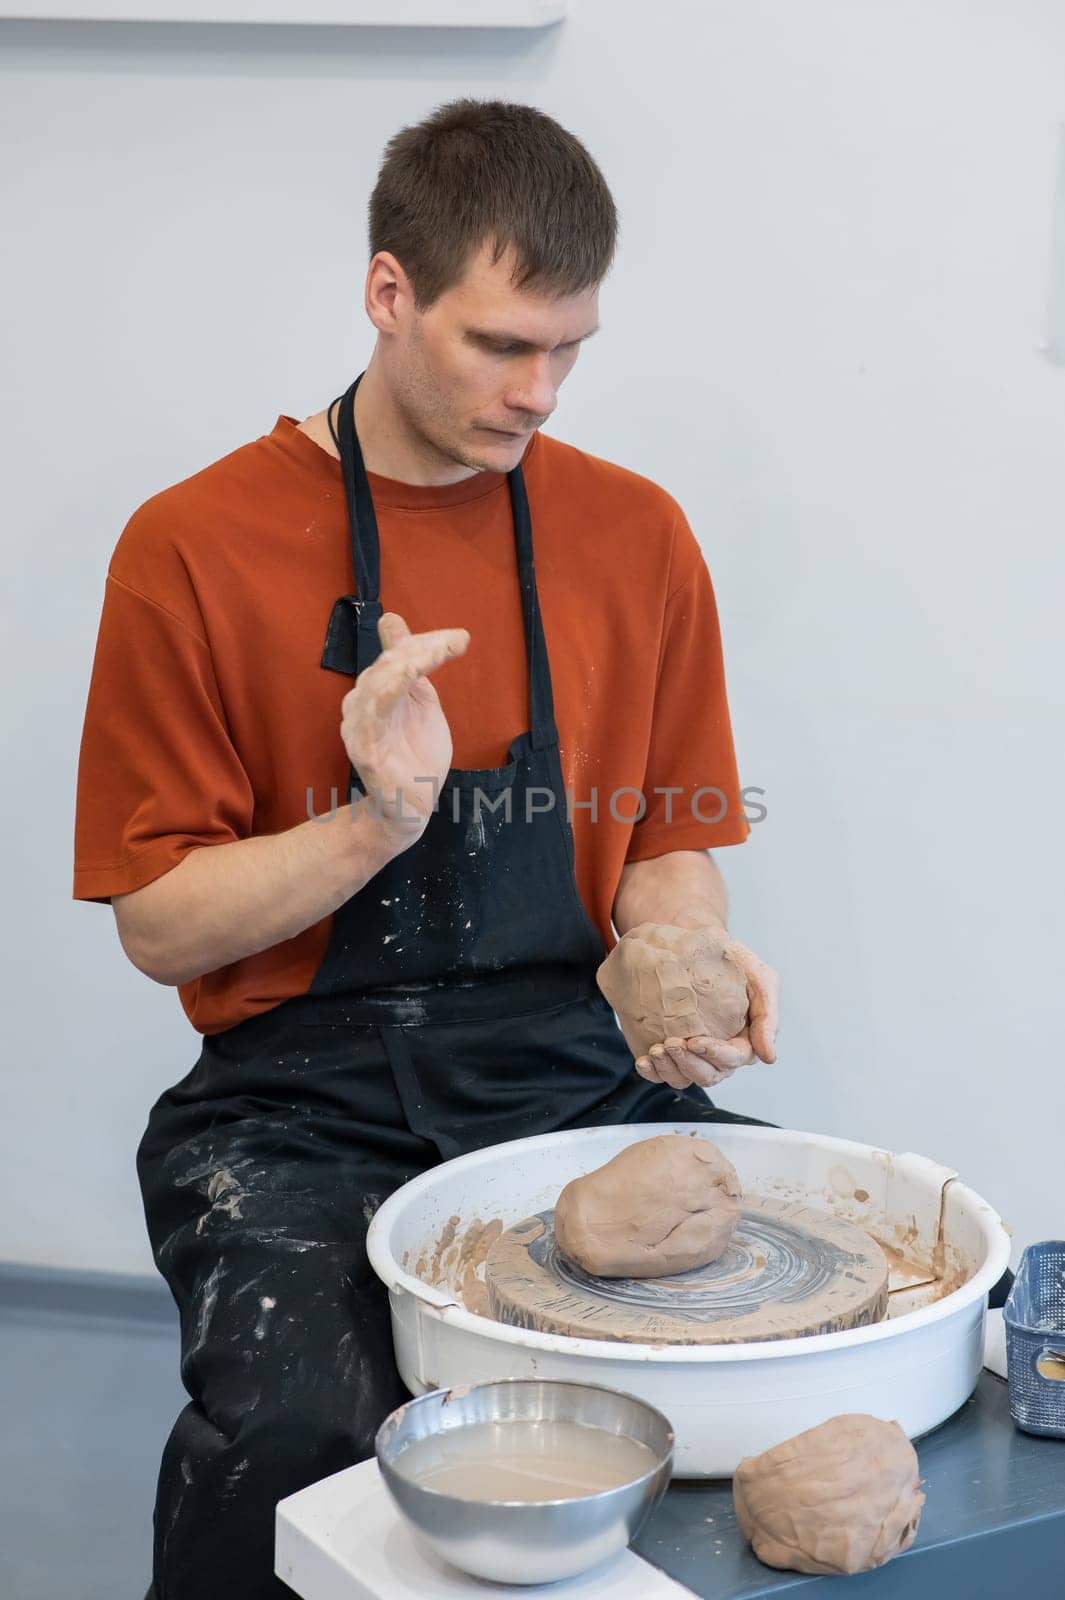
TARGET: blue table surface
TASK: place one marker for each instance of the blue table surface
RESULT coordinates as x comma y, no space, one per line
993,1523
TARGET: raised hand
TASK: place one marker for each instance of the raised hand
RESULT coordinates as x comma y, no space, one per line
394,729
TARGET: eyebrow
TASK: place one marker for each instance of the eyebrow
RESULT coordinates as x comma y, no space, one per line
492,336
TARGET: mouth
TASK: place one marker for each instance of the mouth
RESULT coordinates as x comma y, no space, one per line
503,433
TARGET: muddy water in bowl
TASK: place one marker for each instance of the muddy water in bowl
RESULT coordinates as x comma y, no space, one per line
532,1461
525,1480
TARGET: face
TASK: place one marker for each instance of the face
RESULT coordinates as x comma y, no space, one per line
475,375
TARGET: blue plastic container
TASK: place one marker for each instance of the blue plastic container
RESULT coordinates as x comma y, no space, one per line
1034,1315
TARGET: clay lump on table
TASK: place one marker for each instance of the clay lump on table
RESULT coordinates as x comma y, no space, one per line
840,1498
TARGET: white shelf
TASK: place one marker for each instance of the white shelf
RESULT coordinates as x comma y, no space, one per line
335,13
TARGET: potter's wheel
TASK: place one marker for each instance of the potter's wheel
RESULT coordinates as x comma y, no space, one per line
789,1271
725,1400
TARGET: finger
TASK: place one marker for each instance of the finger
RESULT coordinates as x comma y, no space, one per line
391,628
423,650
668,1071
693,1068
706,1075
764,1017
763,1013
763,991
764,1040
396,671
725,1054
647,1069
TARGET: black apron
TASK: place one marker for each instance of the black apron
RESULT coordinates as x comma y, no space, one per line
455,1007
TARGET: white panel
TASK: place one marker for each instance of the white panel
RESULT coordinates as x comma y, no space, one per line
376,13
819,337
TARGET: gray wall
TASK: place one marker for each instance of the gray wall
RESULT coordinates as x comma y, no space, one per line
822,336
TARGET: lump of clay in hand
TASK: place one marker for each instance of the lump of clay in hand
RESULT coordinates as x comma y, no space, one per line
843,1497
667,982
664,1205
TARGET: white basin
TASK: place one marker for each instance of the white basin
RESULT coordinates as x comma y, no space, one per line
946,1245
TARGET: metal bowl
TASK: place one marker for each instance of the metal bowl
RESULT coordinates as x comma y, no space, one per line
509,1541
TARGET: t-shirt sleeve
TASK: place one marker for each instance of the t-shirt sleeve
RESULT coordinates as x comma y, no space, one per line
691,749
158,775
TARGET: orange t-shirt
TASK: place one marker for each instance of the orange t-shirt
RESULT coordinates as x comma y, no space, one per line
209,716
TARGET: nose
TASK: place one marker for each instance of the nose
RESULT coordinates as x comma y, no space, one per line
534,392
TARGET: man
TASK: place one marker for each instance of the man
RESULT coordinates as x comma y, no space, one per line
388,932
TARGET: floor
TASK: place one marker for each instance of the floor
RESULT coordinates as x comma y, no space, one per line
89,1391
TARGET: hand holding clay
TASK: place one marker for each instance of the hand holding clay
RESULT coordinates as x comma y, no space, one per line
662,1206
693,1003
394,729
843,1497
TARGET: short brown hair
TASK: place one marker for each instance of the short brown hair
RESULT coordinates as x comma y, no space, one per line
489,170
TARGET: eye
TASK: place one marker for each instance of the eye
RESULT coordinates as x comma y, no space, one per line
516,349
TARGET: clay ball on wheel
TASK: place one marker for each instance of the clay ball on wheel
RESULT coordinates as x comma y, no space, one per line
842,1497
662,1206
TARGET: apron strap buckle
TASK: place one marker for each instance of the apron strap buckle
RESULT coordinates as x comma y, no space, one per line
350,618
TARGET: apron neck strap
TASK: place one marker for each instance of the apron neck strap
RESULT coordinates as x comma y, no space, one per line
362,521
366,560
541,699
